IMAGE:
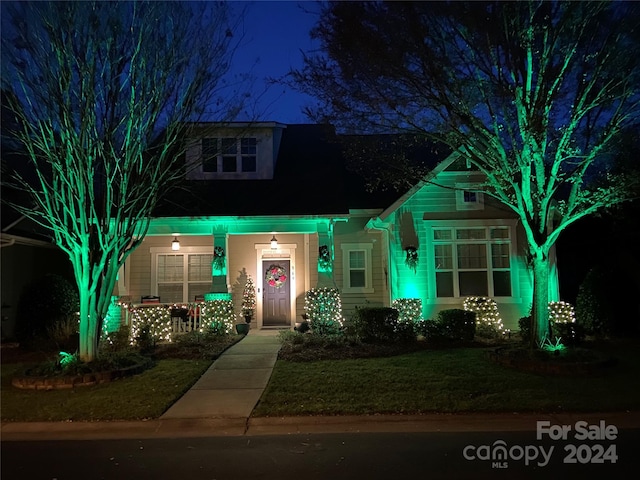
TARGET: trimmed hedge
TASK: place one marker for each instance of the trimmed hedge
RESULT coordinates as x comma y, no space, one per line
380,325
453,325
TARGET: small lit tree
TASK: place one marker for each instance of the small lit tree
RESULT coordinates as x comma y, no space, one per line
248,300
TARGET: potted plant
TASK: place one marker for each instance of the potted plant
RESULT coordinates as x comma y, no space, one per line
248,300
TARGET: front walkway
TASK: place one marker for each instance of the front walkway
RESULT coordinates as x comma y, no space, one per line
233,384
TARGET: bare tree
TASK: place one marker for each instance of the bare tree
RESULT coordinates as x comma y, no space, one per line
535,94
102,94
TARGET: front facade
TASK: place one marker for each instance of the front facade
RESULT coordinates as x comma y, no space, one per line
272,196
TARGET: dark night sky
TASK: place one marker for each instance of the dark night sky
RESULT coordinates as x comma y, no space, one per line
274,35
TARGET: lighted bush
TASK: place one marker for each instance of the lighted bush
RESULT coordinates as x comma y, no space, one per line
488,321
561,312
217,317
150,325
453,325
47,306
323,308
380,325
409,309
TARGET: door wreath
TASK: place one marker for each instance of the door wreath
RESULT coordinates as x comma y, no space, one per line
275,276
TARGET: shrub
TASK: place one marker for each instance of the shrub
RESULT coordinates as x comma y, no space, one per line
458,324
48,305
116,341
488,321
323,307
454,325
410,309
380,325
569,333
525,329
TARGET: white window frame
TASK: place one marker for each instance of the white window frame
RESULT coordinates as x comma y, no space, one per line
347,248
186,251
220,155
463,204
487,242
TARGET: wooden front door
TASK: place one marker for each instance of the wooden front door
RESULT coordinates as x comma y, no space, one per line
276,300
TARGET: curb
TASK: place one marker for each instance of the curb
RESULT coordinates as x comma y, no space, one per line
254,426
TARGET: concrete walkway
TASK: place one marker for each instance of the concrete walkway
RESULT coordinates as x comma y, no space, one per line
233,384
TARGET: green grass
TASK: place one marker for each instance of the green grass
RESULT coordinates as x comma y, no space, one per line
146,395
451,380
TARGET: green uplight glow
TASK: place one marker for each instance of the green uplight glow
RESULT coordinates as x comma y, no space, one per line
217,296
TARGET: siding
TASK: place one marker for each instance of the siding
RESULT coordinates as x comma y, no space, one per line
354,232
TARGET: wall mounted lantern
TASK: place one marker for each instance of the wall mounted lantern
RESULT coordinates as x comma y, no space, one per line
274,243
175,245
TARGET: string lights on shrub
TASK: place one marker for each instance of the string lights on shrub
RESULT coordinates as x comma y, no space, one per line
487,315
157,319
323,307
409,309
248,299
217,315
561,312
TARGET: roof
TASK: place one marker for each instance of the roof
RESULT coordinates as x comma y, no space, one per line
310,178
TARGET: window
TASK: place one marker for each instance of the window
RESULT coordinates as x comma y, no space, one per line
356,267
229,155
472,261
468,199
181,277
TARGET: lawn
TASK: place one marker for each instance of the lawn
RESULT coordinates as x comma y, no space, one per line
427,380
147,395
448,380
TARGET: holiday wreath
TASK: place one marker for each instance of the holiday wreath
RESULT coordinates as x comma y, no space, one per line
276,276
218,258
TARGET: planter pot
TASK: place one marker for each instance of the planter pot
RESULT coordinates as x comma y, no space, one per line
242,328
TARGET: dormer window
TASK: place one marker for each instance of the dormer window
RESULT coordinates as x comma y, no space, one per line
468,199
229,155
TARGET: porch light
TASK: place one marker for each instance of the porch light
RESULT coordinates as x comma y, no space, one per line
175,245
274,243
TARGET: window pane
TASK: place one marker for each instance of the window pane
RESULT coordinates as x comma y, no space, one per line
229,146
473,283
356,259
469,197
229,164
196,289
200,268
209,154
444,284
500,232
248,164
170,268
356,278
444,259
248,146
502,284
471,234
500,255
170,293
442,234
472,256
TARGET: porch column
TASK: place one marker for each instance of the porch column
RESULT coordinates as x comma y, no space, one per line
219,268
326,255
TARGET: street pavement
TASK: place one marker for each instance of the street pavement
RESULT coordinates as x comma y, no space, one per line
221,401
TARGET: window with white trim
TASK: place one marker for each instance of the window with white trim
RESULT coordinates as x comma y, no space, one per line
472,261
229,155
180,277
356,267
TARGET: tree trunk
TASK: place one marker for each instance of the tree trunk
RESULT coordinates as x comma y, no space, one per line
540,313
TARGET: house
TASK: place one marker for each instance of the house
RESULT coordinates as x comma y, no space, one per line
274,202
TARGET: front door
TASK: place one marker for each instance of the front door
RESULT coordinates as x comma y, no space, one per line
276,296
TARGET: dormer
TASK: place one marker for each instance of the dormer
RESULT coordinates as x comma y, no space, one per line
233,151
